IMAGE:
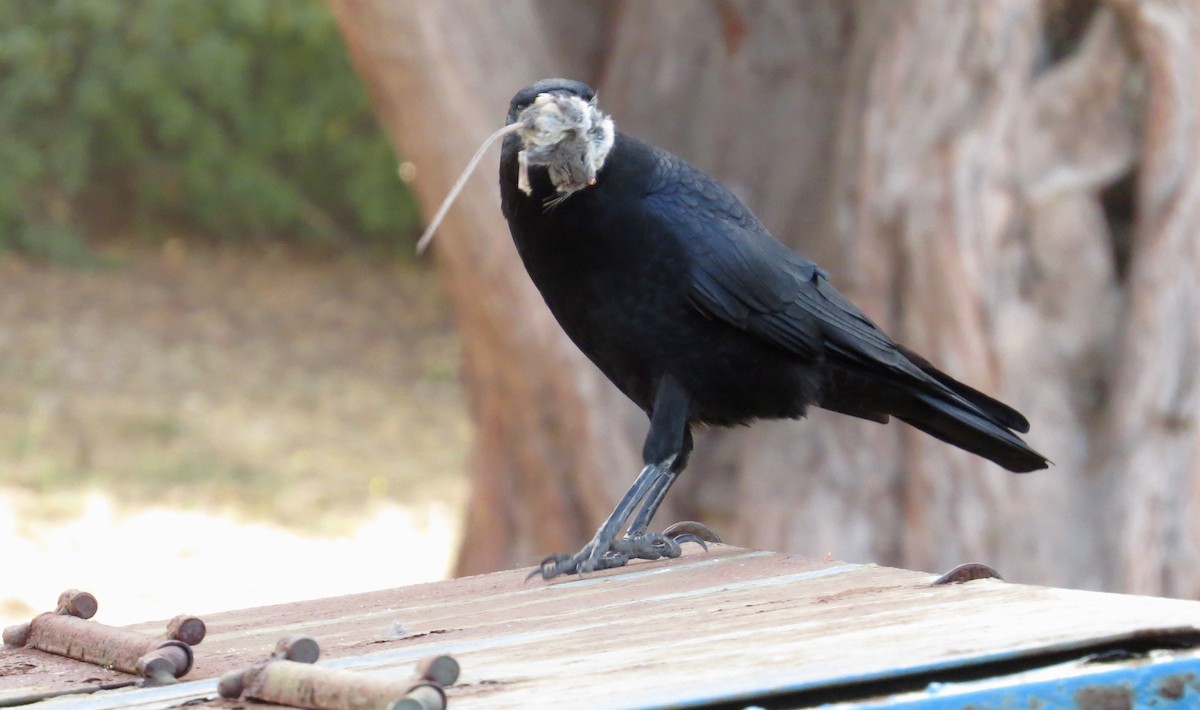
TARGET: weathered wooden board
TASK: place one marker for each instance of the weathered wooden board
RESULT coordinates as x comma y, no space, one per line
725,625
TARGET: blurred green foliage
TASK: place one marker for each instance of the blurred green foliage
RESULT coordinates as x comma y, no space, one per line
237,119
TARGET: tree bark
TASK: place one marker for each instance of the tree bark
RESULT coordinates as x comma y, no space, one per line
544,418
1150,457
953,165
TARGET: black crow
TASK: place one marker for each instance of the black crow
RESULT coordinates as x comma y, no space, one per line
690,307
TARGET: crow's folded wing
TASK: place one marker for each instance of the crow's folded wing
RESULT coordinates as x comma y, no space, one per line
741,275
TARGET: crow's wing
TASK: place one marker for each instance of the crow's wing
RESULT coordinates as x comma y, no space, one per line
743,276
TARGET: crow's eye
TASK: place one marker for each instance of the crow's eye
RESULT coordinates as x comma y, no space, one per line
521,105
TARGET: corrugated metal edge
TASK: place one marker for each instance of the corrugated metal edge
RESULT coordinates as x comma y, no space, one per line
1164,680
764,686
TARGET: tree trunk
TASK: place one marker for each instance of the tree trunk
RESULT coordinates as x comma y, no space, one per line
958,167
1150,460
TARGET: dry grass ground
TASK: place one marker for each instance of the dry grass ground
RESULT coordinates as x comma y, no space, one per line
311,395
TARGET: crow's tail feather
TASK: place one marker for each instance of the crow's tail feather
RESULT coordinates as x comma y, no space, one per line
1003,414
938,405
974,431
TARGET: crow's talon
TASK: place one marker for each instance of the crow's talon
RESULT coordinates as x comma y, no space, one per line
688,537
691,527
667,546
556,565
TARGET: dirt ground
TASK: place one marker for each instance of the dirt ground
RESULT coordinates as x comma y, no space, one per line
261,386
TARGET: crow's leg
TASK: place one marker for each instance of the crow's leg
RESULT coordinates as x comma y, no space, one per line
598,553
663,447
639,544
661,486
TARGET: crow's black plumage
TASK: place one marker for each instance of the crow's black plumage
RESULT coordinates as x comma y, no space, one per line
686,302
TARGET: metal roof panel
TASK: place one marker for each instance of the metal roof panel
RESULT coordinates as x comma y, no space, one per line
716,627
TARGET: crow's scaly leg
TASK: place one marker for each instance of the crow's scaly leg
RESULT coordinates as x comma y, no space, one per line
592,556
669,438
655,498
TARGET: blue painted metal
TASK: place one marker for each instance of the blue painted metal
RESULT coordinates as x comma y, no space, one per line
1165,681
1045,684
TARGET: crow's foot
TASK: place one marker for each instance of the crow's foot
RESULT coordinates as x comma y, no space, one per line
581,562
653,546
593,557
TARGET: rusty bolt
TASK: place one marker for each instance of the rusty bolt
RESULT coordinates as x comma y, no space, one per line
966,573
442,670
17,635
107,646
232,684
422,696
290,679
165,663
67,632
77,603
301,649
186,628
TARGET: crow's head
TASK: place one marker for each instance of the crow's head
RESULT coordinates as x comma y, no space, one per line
553,123
563,130
554,87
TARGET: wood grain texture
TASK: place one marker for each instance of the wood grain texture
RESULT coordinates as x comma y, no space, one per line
731,624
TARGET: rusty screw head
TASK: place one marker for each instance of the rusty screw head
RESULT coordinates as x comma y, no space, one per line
422,696
442,670
77,603
171,660
156,668
186,628
301,649
18,635
232,684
